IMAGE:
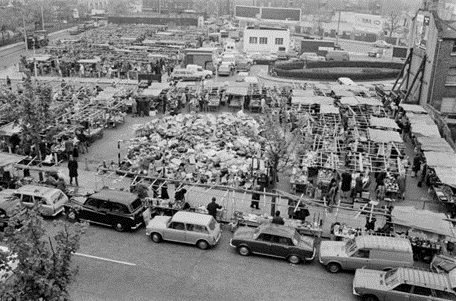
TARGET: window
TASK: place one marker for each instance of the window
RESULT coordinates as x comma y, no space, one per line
405,288
27,199
136,204
177,226
92,203
118,208
197,228
253,40
57,197
281,240
212,224
40,200
445,295
422,291
105,206
263,40
451,76
362,253
453,50
279,41
265,237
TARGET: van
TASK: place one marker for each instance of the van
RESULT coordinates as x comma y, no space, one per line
191,228
367,251
51,201
337,55
346,81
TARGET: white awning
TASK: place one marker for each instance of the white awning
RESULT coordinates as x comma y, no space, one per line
349,101
413,108
369,101
442,159
384,136
436,144
383,123
329,109
447,175
7,159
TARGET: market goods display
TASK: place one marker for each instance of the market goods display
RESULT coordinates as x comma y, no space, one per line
202,148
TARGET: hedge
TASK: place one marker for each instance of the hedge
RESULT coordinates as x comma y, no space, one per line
333,64
310,74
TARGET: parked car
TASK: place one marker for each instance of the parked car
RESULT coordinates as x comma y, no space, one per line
185,75
337,55
7,266
51,201
192,228
311,56
376,52
369,251
274,240
200,71
382,44
225,69
118,209
10,205
242,65
445,264
402,284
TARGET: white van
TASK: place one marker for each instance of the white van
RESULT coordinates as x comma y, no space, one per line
345,81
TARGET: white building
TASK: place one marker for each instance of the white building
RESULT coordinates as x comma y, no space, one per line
266,39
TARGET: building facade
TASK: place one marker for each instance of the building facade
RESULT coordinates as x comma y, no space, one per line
168,6
94,4
266,39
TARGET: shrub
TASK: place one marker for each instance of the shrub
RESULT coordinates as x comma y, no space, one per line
321,75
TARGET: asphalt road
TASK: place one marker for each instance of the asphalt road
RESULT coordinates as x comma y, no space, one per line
169,271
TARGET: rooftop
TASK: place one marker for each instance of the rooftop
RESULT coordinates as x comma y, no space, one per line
424,278
383,242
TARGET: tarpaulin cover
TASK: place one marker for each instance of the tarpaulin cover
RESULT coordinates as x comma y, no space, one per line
349,101
321,100
345,93
447,175
413,108
437,144
422,220
329,109
384,136
7,159
443,159
374,102
383,123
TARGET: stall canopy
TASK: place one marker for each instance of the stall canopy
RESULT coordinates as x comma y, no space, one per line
384,136
89,61
304,100
374,102
413,108
434,159
447,175
10,129
150,93
8,159
349,101
436,144
328,109
423,220
303,93
344,93
240,91
383,123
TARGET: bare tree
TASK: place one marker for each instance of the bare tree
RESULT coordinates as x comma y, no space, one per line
393,23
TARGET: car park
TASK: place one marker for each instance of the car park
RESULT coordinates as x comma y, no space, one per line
51,201
369,251
118,209
274,240
401,284
382,44
186,227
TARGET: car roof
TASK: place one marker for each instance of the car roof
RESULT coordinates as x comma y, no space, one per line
122,197
424,278
192,217
36,190
383,243
276,229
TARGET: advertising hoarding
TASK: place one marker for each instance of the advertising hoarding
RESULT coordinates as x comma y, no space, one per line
247,11
284,14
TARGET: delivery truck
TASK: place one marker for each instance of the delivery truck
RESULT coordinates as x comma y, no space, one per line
320,47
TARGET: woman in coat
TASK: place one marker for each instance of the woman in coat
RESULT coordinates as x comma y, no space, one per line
358,186
73,170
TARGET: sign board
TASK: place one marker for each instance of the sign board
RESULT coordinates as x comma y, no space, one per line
325,48
284,14
247,11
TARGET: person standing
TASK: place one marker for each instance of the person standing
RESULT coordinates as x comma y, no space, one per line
212,208
416,164
73,170
255,199
277,219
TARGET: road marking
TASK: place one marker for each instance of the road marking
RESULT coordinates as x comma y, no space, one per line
105,259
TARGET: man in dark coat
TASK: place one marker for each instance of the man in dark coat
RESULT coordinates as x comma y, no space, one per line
212,208
73,170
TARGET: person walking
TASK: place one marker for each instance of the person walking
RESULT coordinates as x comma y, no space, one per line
212,208
73,170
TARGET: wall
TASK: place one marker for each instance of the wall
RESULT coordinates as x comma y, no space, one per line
271,35
445,61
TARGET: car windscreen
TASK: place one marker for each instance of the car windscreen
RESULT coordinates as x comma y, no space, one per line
350,247
212,224
135,205
391,278
57,197
445,265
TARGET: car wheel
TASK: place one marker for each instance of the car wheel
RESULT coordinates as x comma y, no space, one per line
202,244
208,76
334,267
244,251
119,227
294,259
156,237
370,298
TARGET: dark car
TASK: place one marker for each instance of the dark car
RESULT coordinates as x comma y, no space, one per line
274,240
118,209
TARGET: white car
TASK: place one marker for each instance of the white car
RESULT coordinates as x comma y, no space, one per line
311,56
382,44
200,71
225,69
